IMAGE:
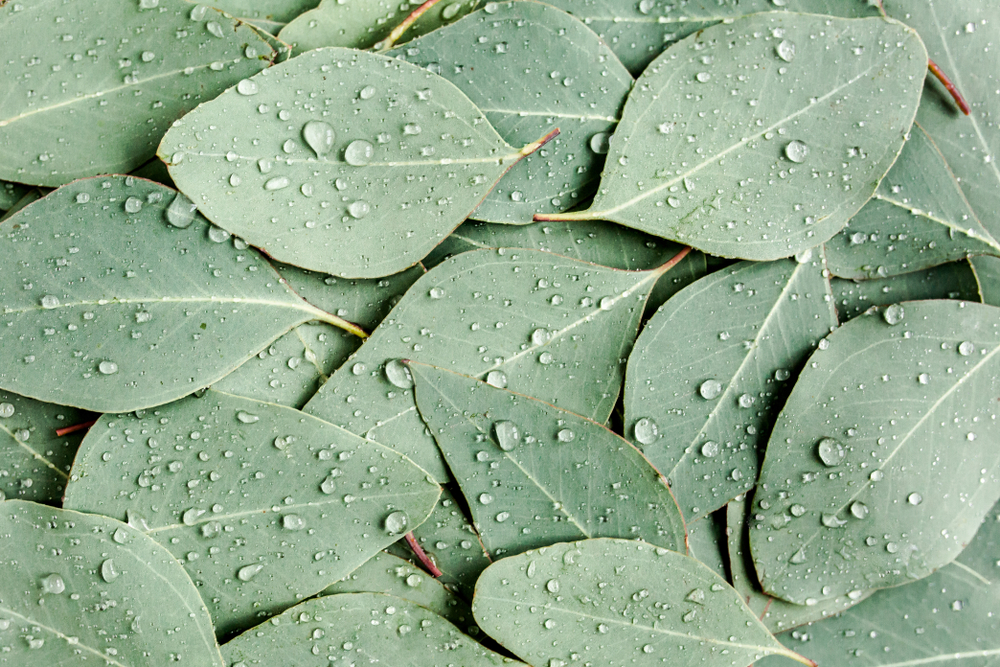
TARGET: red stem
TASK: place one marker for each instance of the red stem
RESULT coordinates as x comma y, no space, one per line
66,430
422,556
943,78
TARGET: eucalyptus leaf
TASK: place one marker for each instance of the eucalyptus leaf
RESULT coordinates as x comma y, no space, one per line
918,218
359,628
707,542
32,195
269,15
987,272
85,589
10,193
116,74
154,170
980,556
531,68
710,369
174,306
525,319
262,504
617,602
757,157
533,474
387,167
881,465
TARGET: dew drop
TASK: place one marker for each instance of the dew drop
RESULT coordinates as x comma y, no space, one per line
107,367
411,129
246,417
599,143
507,434
248,572
53,584
396,523
292,522
914,499
436,293
496,379
191,516
710,449
49,301
645,431
319,136
797,510
6,410
831,521
859,509
133,205
277,183
367,92
785,50
180,212
710,389
108,571
358,209
893,314
565,435
966,348
796,151
485,498
218,234
247,87
830,452
358,153
398,374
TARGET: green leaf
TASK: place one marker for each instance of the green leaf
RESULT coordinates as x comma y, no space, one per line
533,474
137,311
954,280
774,613
980,556
84,589
269,15
752,157
503,57
388,167
617,602
359,628
117,74
711,368
522,318
34,459
707,542
881,464
639,31
10,193
32,195
987,273
262,504
918,218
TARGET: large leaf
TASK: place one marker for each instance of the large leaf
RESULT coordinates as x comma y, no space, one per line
617,602
84,589
533,474
757,157
387,166
262,504
147,306
531,68
526,319
35,460
95,93
883,461
710,369
917,219
358,629
269,15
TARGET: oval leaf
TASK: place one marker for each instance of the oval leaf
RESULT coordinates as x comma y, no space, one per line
305,501
136,311
617,602
79,588
866,481
136,66
762,180
710,369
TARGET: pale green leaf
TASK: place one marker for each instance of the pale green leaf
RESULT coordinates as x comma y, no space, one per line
269,15
85,589
617,602
95,93
707,542
982,555
731,143
387,166
531,68
134,311
987,271
533,474
882,463
710,369
262,504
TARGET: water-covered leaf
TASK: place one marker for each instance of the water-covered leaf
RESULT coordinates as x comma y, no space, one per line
269,15
386,166
617,602
755,156
85,589
261,503
359,628
533,474
882,463
531,68
150,303
116,74
710,369
918,218
544,325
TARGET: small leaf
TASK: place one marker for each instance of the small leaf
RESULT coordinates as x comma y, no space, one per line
533,474
137,311
136,66
269,15
710,369
305,502
707,542
79,588
617,602
866,479
987,274
768,172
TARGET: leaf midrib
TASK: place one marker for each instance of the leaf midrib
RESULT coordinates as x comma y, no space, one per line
33,453
314,161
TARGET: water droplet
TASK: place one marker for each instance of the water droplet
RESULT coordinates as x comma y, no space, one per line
414,580
785,50
367,92
565,435
451,11
319,136
710,389
646,6
697,596
398,374
891,547
830,452
49,301
782,374
894,314
358,153
798,557
436,293
506,434
797,510
746,400
148,4
191,516
107,367
328,485
133,205
690,616
247,87
859,509
710,449
804,256
796,151
411,129
82,198
215,29
645,431
831,521
914,499
545,358
552,585
246,417
502,516
966,348
516,196
277,183
108,571
6,410
703,77
53,584
180,212
248,572
924,378
485,498
293,522
540,337
396,523
599,143
496,379
218,234
358,209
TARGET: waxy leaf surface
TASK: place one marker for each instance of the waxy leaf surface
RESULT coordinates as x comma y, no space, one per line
980,555
261,503
269,15
881,465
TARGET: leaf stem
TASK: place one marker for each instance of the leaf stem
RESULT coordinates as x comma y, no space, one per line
943,78
66,430
562,217
339,322
398,31
674,261
422,556
535,145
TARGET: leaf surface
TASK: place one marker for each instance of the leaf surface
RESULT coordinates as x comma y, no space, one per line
707,542
987,273
85,589
268,15
881,465
261,503
10,193
752,157
980,556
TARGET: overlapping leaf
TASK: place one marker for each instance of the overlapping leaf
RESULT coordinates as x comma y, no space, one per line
987,272
707,542
261,503
269,15
755,156
10,193
866,481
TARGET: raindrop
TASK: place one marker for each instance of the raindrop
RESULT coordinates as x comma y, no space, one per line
914,499
218,234
645,431
507,434
436,293
552,585
966,348
133,205
53,584
108,571
319,136
703,77
830,452
710,449
398,374
646,6
247,418
746,400
82,198
49,302
367,92
893,314
710,389
539,337
607,303
697,596
798,557
690,616
485,498
107,367
358,209
451,11
496,379
923,378
797,510
786,50
859,509
247,87
215,29
180,213
782,374
6,410
358,153
248,572
277,183
191,516
545,358
796,151
411,129
396,522
328,485
293,522
565,435
502,516
148,4
599,143
831,521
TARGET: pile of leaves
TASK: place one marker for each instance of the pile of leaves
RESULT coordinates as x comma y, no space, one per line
588,333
